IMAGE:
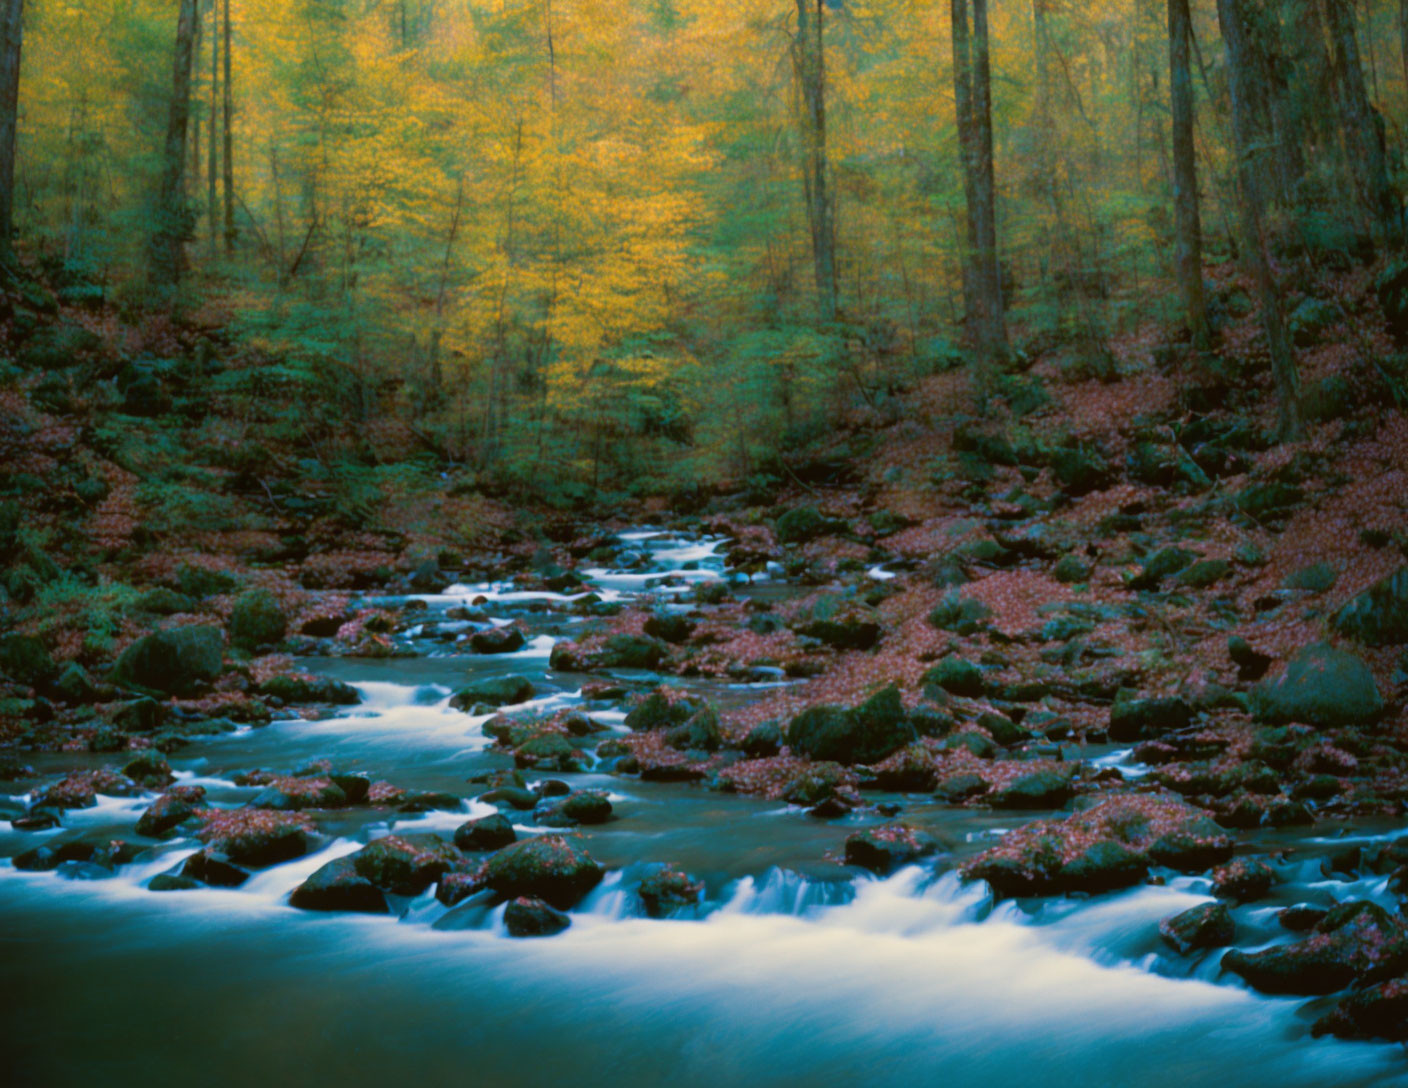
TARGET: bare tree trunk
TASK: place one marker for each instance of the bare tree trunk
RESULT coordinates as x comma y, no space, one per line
1241,73
973,94
212,207
809,61
167,256
1188,224
229,139
1364,134
11,39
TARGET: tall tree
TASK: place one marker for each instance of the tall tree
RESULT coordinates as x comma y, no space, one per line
973,96
229,148
1188,225
809,63
1363,127
1242,74
166,259
11,36
212,212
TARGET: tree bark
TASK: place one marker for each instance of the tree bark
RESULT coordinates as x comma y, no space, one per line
212,206
973,96
1364,136
229,149
809,61
166,262
11,39
1188,224
1241,75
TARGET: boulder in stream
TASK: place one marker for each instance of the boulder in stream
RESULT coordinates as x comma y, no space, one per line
888,847
486,833
339,886
551,867
528,917
1208,925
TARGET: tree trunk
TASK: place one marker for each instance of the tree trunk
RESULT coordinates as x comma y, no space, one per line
1364,136
973,95
172,227
212,207
809,61
11,38
1188,225
229,148
1244,129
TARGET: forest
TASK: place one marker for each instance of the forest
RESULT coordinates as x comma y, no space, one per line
881,526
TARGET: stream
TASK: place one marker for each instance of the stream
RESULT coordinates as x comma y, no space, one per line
792,971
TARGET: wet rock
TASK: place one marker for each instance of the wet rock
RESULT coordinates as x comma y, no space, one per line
1243,880
669,890
625,651
141,715
496,691
582,807
214,868
1208,925
526,917
486,833
514,796
884,849
1376,1012
149,770
1301,917
1103,866
1321,686
866,734
497,640
256,838
1140,719
81,788
257,620
180,661
547,751
454,888
1354,941
1039,789
171,809
295,794
37,820
1192,849
298,690
1379,615
172,882
406,864
339,886
550,868
429,801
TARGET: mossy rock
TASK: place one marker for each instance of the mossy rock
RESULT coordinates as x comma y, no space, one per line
257,620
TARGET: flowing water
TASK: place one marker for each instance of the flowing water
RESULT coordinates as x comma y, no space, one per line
792,971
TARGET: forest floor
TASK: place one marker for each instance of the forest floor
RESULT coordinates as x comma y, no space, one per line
1118,552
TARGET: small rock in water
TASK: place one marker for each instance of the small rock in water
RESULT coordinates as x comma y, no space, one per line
487,833
884,849
1243,880
669,890
1208,925
526,917
338,886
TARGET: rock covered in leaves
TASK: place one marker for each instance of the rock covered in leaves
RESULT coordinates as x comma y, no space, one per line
255,837
1357,941
888,847
172,808
1108,846
670,889
551,868
407,864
